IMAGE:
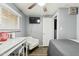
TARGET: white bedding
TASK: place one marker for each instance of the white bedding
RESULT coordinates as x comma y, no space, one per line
33,42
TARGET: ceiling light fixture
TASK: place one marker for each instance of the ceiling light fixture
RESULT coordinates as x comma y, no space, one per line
41,4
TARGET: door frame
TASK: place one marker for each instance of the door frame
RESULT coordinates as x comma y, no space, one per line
52,30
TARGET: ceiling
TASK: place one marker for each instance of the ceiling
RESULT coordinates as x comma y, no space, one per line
38,10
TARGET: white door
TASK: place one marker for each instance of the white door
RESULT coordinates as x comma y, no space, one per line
48,30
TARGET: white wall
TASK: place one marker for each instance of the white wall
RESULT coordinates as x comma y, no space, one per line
78,25
66,25
22,22
35,30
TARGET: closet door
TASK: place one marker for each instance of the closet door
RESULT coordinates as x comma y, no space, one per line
48,30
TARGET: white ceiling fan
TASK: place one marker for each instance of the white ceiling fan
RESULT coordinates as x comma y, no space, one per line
40,4
32,6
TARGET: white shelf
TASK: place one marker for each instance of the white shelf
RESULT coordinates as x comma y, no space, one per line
10,45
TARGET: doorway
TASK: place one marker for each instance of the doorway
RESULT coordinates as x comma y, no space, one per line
55,28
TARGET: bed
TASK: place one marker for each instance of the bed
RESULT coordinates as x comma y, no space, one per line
32,43
63,47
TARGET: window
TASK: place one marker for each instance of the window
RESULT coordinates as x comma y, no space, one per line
9,18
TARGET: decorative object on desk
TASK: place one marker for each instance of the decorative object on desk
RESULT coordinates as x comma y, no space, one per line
4,36
11,35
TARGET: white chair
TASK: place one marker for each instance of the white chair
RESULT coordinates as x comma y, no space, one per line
32,43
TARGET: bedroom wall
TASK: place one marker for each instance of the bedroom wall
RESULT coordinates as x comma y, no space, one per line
22,22
66,25
35,30
78,25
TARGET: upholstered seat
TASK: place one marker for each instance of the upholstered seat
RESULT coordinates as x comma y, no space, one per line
32,42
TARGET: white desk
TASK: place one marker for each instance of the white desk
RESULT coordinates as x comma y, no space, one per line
10,45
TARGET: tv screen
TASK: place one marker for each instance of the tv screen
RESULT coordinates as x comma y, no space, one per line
34,20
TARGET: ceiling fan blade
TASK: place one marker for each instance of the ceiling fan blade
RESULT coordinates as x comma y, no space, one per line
32,6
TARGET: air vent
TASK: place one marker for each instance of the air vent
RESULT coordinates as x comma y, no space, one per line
73,10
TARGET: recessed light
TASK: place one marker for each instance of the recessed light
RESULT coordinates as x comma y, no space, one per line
41,4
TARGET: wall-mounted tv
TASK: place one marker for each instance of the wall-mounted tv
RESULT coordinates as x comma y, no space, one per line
34,20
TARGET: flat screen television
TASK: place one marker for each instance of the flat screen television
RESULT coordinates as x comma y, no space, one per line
34,20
